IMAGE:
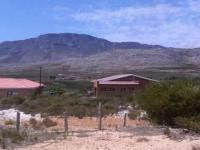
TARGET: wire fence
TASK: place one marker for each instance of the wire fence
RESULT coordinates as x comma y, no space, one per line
61,126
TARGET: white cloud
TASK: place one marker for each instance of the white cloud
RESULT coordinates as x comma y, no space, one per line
165,24
194,5
127,14
60,13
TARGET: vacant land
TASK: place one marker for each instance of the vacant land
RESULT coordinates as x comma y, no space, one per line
136,137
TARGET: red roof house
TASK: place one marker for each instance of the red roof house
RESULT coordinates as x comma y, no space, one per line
22,87
119,85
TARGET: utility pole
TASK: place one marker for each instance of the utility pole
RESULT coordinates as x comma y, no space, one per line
40,90
40,77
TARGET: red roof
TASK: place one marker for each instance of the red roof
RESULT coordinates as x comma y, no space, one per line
114,77
12,83
110,78
119,83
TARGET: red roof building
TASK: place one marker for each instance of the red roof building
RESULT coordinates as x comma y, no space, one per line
119,85
21,87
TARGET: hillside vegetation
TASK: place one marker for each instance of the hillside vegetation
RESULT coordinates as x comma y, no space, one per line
88,53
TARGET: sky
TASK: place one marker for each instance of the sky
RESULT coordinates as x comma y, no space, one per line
172,23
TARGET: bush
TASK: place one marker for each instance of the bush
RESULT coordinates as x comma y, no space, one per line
167,132
12,101
36,124
9,122
56,89
55,109
48,122
12,135
192,123
167,101
134,114
33,122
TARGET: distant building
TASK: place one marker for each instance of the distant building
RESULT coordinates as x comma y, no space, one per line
119,85
21,87
61,77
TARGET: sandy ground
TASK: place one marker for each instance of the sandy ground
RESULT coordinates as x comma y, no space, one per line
139,137
91,122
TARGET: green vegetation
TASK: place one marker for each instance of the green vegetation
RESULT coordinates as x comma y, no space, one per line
76,85
11,136
172,103
9,122
12,101
56,89
63,96
74,104
68,87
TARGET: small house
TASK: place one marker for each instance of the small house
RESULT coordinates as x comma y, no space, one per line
122,85
18,87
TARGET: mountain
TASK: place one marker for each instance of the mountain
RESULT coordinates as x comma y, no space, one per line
85,51
60,46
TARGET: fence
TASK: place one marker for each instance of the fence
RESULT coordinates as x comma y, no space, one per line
58,127
98,122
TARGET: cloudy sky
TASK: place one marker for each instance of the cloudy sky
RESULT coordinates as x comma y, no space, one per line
166,22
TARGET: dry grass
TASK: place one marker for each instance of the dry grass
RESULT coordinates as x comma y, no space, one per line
91,122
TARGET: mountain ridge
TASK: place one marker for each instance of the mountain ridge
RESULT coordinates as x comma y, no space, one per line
74,49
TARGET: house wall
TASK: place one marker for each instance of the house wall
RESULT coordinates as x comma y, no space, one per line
115,90
103,90
143,82
20,92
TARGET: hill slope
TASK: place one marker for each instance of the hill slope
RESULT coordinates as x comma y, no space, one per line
85,51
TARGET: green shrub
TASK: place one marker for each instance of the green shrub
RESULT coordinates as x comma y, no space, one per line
9,122
12,135
166,101
134,114
55,109
56,89
12,101
192,123
76,85
167,132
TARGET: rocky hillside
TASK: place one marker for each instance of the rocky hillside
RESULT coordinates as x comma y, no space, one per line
85,51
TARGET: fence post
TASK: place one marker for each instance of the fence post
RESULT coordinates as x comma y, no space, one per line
125,115
100,116
18,121
66,123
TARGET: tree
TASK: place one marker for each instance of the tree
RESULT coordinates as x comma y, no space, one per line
169,100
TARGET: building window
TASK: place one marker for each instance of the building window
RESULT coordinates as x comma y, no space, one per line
108,89
12,93
123,89
111,89
131,89
103,89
